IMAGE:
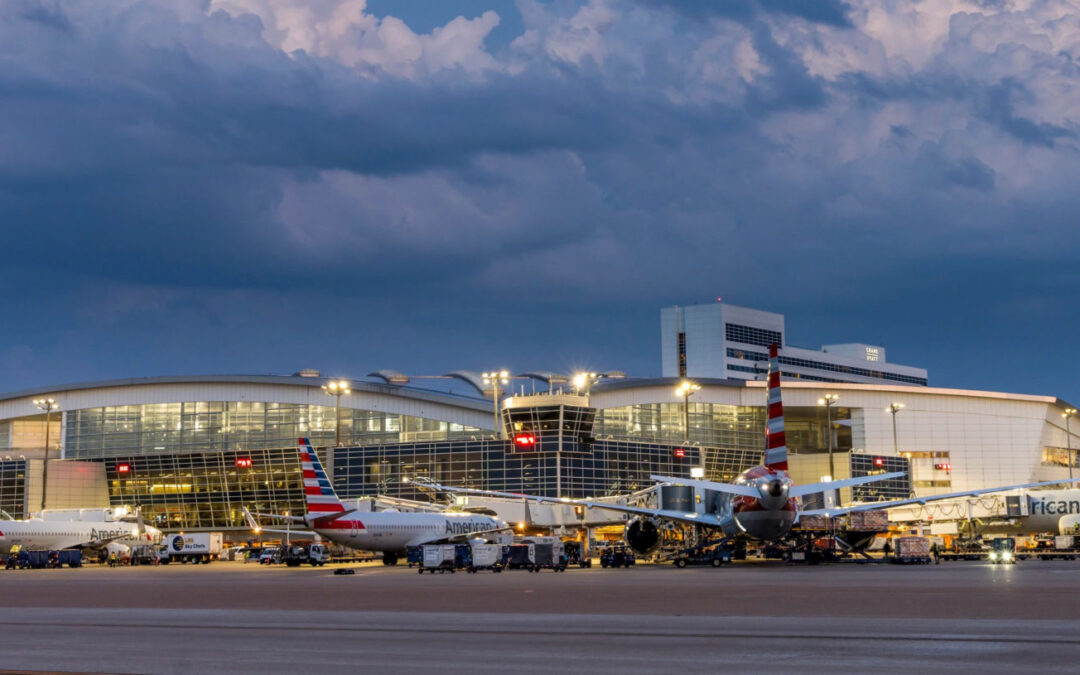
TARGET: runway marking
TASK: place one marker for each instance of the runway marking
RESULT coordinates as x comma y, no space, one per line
974,639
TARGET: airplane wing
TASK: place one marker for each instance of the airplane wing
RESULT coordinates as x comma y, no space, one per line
809,489
877,506
681,516
256,528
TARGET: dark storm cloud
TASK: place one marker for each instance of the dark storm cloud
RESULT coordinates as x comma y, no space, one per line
829,12
192,177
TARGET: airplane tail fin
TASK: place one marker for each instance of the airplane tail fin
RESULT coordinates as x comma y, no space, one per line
775,456
318,491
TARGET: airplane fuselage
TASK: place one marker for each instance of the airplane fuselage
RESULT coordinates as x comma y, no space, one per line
53,535
393,531
766,518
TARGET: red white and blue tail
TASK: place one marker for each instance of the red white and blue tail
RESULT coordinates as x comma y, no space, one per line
775,456
320,495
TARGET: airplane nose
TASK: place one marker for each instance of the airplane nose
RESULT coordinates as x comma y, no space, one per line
775,488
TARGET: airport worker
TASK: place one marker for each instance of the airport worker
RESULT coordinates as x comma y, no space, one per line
936,552
887,549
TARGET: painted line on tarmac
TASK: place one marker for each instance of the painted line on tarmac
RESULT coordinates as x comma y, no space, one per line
835,637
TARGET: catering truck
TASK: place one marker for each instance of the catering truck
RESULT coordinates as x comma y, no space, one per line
196,547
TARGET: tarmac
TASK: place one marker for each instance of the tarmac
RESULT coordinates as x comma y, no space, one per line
235,617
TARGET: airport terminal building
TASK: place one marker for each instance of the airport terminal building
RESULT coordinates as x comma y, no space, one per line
191,451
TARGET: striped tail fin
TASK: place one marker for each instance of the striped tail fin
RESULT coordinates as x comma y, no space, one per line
318,491
775,444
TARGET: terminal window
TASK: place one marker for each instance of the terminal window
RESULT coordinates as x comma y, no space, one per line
751,336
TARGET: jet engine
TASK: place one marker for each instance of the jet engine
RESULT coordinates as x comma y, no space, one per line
642,535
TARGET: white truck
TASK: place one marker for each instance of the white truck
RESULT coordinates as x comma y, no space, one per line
197,547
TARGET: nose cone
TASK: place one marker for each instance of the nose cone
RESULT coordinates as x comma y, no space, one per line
775,488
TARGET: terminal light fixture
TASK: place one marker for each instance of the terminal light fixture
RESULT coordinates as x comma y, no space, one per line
48,405
686,389
493,379
583,382
337,389
829,400
1069,412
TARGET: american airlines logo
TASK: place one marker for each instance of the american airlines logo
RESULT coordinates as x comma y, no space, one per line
104,535
465,527
1045,507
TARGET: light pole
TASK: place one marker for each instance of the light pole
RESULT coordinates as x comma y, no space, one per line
48,405
829,400
583,382
1069,412
337,389
494,379
686,389
894,408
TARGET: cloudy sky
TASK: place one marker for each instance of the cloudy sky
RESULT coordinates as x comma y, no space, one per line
258,186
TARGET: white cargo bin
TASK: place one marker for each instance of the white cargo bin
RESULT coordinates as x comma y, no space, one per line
485,556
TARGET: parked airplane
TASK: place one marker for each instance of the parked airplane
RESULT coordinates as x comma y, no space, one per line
53,535
387,531
761,504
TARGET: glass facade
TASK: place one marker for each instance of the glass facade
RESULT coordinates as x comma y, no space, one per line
885,490
13,487
208,426
724,426
200,491
600,468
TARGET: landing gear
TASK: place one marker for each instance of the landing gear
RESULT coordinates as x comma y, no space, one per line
389,558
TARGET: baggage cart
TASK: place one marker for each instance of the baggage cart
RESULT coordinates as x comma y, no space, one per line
438,558
486,557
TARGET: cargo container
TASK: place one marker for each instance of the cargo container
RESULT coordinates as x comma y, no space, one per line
1064,542
486,557
911,550
438,558
872,521
522,555
549,556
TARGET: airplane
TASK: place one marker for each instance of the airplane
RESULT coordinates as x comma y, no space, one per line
762,504
389,532
53,535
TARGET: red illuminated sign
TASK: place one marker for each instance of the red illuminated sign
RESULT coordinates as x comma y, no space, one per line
943,467
123,468
244,462
679,452
879,461
525,440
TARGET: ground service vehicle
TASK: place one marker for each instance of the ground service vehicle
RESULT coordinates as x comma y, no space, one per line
438,558
195,547
414,555
911,550
617,556
302,554
486,557
1003,551
714,556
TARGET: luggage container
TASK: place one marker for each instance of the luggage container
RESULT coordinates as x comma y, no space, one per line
911,550
873,521
549,556
486,557
522,555
438,558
